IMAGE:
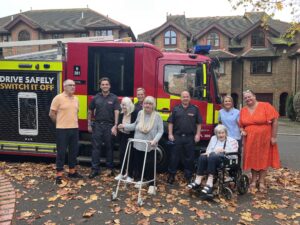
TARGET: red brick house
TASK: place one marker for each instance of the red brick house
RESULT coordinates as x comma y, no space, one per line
251,57
54,24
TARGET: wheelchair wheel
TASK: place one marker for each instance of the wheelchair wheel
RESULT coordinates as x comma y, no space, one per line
243,184
227,193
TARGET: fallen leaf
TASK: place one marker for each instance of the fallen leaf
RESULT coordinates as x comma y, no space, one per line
280,216
143,222
160,220
175,211
47,211
148,213
89,213
246,216
117,221
53,198
184,202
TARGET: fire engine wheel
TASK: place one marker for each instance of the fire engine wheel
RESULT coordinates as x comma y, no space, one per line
162,157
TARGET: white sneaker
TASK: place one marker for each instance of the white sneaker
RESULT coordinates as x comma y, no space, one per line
119,177
228,179
152,190
129,179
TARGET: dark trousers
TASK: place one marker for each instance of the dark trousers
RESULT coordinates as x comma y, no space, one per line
123,144
66,139
138,162
209,164
101,133
183,149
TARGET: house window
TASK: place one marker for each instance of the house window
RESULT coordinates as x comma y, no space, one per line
57,36
83,35
23,35
213,40
6,38
258,39
103,33
221,69
170,37
261,67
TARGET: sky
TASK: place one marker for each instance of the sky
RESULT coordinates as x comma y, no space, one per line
140,15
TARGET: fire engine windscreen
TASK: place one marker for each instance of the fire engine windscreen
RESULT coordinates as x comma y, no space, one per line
178,78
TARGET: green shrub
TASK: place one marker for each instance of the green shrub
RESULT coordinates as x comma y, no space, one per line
290,108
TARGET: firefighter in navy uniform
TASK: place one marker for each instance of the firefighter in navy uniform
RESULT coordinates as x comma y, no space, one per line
184,126
105,106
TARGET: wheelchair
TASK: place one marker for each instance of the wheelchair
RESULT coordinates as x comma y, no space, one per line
229,178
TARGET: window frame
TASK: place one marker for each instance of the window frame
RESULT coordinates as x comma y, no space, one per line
57,35
213,37
98,67
260,72
198,94
24,38
256,40
170,37
103,32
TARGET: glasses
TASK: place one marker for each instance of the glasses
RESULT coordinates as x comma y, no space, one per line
71,85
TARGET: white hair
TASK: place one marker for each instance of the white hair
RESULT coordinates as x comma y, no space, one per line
128,105
219,128
151,100
67,81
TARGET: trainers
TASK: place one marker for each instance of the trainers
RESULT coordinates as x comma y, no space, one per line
129,179
119,177
228,179
152,190
75,175
58,180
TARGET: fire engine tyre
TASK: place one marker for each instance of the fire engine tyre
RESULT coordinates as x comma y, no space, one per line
162,157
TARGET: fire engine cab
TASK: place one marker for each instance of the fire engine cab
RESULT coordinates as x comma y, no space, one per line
129,65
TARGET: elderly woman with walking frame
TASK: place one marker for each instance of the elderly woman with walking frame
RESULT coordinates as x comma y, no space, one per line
148,126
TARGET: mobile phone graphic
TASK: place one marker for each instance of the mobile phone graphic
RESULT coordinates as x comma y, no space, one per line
28,113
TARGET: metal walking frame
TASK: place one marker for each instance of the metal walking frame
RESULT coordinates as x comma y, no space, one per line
141,182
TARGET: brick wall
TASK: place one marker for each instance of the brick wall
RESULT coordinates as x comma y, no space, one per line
224,82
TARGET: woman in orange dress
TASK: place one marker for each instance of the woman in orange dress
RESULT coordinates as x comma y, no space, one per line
259,124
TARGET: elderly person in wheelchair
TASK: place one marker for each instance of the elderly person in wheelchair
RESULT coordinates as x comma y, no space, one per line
208,162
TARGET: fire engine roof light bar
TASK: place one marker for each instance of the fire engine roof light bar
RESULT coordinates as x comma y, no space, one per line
202,49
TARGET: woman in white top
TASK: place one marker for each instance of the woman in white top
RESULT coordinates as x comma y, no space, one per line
208,162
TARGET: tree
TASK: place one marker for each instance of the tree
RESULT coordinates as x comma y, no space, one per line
271,7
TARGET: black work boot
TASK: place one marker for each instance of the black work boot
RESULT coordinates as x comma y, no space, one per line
171,178
58,180
75,175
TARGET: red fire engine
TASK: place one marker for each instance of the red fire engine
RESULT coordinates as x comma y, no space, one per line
129,65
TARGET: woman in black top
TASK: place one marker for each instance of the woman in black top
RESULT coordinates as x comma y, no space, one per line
127,116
